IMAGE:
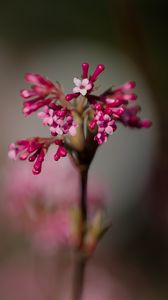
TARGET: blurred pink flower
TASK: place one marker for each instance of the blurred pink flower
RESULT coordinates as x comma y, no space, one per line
46,207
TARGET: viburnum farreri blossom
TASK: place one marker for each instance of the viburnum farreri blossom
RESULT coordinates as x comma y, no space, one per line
78,122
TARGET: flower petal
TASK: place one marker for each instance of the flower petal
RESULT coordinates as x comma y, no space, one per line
89,86
83,92
85,81
76,89
77,81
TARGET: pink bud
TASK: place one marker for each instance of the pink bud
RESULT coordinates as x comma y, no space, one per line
98,106
131,96
69,97
40,157
58,142
62,151
145,123
38,80
126,86
27,93
37,167
24,155
56,156
85,67
99,69
33,156
92,124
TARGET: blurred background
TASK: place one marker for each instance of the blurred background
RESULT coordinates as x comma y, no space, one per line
130,37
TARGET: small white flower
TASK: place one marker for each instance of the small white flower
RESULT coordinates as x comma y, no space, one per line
82,86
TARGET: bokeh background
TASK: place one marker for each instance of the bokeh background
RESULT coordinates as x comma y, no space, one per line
130,38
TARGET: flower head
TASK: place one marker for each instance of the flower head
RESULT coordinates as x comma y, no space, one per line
80,126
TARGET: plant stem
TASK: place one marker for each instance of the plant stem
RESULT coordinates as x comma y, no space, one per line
80,258
83,199
80,265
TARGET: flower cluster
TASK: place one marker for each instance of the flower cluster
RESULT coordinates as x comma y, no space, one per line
111,107
130,118
75,115
59,119
42,92
35,150
105,122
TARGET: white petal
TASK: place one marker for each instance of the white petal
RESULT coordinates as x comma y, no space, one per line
51,112
58,130
85,82
77,81
89,86
106,117
83,92
52,129
55,119
76,90
109,130
50,121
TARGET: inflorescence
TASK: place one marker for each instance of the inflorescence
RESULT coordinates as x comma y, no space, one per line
64,114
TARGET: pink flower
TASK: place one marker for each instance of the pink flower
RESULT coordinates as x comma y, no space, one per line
82,86
99,114
85,86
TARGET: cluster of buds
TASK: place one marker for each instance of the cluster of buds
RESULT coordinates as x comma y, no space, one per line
103,120
59,119
42,92
76,118
130,118
35,149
